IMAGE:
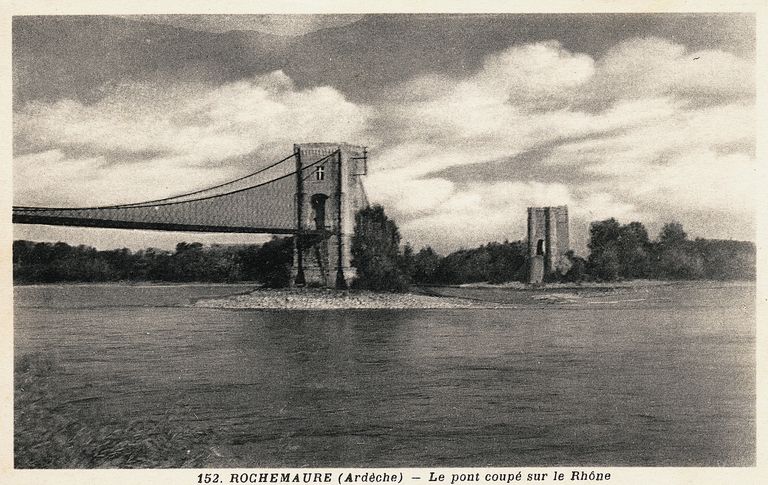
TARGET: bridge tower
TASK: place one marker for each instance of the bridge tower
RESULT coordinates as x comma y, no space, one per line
328,195
548,241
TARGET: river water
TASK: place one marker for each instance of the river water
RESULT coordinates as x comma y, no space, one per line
664,376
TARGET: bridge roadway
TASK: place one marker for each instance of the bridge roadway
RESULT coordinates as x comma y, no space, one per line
26,218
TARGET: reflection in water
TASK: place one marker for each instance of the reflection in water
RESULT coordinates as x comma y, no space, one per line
657,384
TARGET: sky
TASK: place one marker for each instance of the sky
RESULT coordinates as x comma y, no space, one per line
469,119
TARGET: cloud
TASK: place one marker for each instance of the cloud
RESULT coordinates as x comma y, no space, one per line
138,138
480,213
288,25
655,131
51,178
677,162
661,129
650,67
597,206
648,131
703,180
410,197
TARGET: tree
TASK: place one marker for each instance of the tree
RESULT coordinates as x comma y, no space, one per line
672,234
618,251
605,265
603,234
603,262
633,251
725,259
376,252
270,264
507,261
676,257
425,264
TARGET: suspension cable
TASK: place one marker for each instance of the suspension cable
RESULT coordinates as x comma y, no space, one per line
153,201
150,202
137,205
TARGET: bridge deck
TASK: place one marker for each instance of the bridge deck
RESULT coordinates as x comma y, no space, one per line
152,226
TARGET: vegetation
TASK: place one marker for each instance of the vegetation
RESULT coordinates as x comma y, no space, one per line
494,262
376,255
625,252
51,431
616,252
268,263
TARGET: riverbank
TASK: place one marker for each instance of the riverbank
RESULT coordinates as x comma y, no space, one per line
326,299
473,296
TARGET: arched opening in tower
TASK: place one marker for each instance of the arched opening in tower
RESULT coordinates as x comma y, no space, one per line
318,210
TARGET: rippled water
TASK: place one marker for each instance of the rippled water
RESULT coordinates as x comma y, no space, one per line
661,377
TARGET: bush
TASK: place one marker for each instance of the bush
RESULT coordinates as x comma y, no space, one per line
271,263
680,263
578,270
726,260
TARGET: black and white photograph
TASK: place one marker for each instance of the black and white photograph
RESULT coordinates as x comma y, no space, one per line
502,246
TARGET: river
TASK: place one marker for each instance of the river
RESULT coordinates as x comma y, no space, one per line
664,377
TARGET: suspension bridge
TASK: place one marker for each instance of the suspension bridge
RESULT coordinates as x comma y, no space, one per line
313,194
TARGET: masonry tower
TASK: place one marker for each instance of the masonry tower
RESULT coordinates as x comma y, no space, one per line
328,195
547,241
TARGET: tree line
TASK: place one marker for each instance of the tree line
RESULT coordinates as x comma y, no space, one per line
624,251
616,252
40,262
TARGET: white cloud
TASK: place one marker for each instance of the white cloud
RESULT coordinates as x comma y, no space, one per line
647,120
409,197
532,75
159,140
660,132
51,178
652,66
703,180
479,213
597,206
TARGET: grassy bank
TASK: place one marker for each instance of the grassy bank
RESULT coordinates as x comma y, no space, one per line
53,429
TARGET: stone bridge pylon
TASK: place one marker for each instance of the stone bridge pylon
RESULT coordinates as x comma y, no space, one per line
327,198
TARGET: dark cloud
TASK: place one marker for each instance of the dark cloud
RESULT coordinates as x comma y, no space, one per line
58,57
746,147
526,166
79,151
612,93
84,57
278,24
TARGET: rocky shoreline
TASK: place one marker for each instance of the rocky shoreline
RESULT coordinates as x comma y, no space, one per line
451,297
322,299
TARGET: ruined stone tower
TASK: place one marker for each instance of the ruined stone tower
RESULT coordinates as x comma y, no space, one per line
547,241
328,195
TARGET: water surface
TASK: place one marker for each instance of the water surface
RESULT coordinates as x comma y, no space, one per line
663,376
